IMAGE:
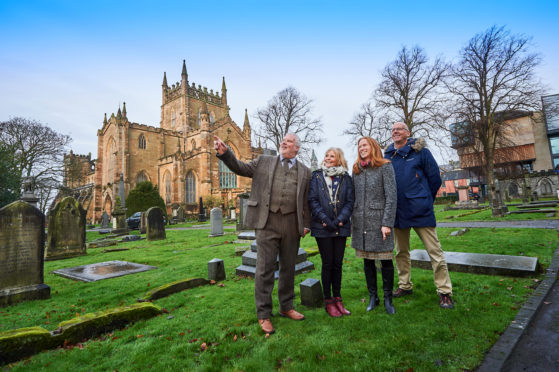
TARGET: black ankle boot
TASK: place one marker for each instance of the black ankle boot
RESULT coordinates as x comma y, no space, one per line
387,286
371,278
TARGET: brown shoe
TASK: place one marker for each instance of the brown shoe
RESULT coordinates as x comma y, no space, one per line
292,314
266,326
402,292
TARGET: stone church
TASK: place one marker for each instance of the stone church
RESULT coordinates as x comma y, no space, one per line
177,156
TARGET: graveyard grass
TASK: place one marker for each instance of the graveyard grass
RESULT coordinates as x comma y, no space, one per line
214,327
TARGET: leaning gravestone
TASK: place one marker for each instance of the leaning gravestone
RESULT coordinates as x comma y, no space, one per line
216,222
179,215
155,228
22,244
66,232
105,220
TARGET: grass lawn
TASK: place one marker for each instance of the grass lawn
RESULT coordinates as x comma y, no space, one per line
420,336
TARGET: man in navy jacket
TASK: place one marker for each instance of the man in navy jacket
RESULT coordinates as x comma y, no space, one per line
417,180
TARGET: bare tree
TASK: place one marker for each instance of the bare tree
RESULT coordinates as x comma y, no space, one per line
289,111
38,152
411,91
367,123
493,81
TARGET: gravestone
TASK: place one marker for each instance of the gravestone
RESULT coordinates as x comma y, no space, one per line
105,220
143,223
22,244
66,231
311,293
155,227
216,269
102,270
248,263
179,214
201,212
478,263
119,215
243,198
216,222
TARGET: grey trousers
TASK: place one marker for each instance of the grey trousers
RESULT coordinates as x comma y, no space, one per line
280,236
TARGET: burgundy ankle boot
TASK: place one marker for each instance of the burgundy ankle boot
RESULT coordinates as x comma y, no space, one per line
340,306
331,308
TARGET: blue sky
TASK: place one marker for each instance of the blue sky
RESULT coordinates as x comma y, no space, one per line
66,63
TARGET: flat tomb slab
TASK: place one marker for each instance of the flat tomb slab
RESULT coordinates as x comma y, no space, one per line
102,270
478,263
548,210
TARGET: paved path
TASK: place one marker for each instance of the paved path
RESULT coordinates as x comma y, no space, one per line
538,348
529,224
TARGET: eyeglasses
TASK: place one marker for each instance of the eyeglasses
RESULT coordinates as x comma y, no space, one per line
399,129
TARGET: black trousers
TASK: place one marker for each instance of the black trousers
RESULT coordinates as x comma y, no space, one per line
332,254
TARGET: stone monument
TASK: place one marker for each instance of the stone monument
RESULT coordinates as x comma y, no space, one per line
119,215
155,227
243,198
143,222
22,244
248,266
201,213
105,220
216,222
179,214
66,230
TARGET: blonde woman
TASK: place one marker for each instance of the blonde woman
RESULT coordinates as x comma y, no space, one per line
331,205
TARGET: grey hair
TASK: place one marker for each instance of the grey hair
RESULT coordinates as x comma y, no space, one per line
297,139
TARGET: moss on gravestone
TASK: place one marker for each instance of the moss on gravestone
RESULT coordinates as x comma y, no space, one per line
94,324
23,342
172,288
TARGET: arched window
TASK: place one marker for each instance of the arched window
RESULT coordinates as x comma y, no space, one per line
199,117
141,177
212,117
227,179
168,190
173,119
513,189
142,142
545,187
190,188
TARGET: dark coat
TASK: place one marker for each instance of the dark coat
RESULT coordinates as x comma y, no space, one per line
418,179
261,170
375,206
323,209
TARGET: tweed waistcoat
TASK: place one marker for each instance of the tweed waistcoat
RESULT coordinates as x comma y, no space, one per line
284,190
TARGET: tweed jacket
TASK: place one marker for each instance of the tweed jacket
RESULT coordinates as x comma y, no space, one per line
262,170
375,206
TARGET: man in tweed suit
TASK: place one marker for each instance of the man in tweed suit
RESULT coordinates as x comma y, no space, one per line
278,211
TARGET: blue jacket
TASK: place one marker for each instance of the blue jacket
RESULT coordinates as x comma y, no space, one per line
325,210
417,181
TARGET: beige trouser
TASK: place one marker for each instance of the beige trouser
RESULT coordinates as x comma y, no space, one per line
428,236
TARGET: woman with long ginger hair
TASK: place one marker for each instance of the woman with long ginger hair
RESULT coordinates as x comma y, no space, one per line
373,218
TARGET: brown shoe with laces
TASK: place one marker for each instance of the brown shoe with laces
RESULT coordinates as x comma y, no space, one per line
266,326
292,314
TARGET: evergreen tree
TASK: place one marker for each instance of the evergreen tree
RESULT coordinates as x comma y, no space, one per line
143,197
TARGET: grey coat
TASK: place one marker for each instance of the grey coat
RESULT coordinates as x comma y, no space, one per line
375,206
261,170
